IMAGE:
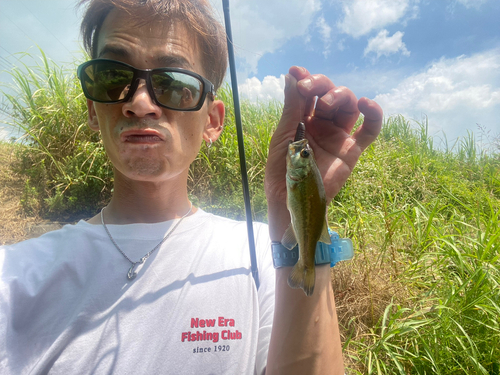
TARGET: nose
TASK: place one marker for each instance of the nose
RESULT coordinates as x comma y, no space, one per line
141,104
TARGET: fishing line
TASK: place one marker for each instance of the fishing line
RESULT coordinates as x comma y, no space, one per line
241,147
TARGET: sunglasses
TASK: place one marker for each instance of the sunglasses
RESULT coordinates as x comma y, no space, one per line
110,81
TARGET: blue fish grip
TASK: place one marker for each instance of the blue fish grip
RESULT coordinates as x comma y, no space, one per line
340,248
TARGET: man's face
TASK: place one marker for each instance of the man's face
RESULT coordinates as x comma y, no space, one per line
146,142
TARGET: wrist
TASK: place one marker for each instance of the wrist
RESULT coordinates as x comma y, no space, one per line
339,249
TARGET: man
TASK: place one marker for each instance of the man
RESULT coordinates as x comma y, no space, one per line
151,284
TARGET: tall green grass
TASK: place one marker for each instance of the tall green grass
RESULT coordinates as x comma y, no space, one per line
215,181
422,293
68,172
427,221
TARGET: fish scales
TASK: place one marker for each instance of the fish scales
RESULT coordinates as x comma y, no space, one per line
306,201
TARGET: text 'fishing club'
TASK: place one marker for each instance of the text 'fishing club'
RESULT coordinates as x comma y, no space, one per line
226,334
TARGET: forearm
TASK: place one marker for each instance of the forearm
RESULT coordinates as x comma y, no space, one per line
305,337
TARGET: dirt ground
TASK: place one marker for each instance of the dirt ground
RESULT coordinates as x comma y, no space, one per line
15,225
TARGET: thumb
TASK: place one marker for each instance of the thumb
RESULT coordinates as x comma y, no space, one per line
293,109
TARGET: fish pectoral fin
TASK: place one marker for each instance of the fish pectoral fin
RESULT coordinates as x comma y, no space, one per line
289,240
325,237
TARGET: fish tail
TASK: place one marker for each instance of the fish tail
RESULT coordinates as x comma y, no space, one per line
302,277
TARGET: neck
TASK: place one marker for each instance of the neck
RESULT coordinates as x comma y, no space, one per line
147,202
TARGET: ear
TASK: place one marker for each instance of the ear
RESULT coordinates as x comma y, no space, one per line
215,121
93,122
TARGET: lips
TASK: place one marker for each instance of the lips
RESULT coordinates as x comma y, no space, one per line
142,136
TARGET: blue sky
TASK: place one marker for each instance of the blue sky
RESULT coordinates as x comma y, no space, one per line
439,59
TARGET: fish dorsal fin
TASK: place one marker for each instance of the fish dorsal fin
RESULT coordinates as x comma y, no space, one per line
289,240
325,237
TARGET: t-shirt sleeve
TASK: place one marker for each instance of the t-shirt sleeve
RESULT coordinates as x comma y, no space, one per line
267,280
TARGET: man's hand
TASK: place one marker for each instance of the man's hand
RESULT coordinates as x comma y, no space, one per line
329,113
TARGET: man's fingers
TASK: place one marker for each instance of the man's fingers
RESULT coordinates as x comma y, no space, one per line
339,105
372,123
299,72
315,85
294,102
315,96
339,99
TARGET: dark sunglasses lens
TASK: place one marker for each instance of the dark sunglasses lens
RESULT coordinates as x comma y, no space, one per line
177,90
107,81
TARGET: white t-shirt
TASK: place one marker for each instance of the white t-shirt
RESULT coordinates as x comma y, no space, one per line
67,307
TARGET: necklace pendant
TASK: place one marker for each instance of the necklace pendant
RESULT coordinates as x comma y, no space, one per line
131,273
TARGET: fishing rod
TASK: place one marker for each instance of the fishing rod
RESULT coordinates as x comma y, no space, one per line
241,146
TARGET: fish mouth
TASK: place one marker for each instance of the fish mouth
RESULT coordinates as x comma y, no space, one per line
295,147
150,136
297,179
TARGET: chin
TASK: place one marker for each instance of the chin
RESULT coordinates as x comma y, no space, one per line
148,171
145,169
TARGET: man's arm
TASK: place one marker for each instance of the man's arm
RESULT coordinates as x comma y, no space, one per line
305,337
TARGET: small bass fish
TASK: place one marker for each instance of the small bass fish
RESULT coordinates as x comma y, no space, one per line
306,201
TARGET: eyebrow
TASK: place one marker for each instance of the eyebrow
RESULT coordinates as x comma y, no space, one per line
117,51
174,61
163,61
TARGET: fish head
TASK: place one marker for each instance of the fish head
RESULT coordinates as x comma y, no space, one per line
299,159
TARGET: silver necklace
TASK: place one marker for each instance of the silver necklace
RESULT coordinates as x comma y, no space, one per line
131,272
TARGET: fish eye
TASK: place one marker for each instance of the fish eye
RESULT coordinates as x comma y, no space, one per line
304,153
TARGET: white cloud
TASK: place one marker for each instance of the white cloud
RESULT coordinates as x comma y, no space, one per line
4,134
7,132
361,16
262,26
471,3
26,24
30,23
325,31
271,88
453,5
455,94
383,44
341,45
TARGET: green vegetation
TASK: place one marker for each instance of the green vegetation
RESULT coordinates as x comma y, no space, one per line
426,225
68,172
422,294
